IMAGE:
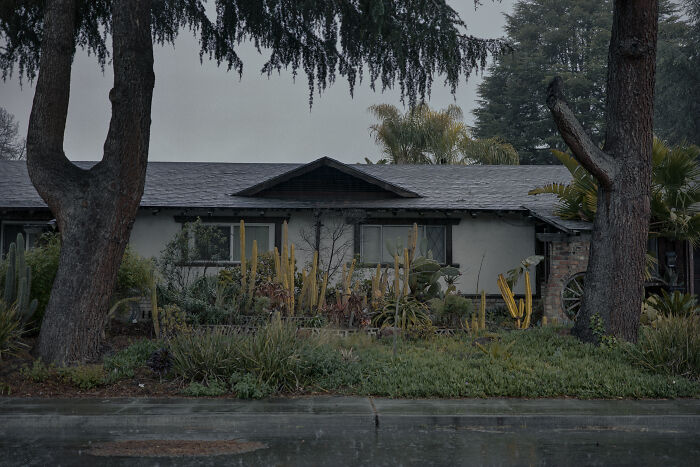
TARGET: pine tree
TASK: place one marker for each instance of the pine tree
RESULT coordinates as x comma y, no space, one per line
567,38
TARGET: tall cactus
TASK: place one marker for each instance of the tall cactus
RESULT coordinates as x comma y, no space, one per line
244,270
522,310
18,281
253,273
10,286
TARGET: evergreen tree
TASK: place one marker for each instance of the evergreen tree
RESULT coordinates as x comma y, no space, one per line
568,38
677,100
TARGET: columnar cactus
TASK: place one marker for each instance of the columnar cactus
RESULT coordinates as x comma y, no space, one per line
253,272
244,271
522,311
18,281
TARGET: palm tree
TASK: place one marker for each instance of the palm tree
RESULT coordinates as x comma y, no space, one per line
426,136
675,192
577,200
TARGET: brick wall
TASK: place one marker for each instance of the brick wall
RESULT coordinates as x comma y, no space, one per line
566,258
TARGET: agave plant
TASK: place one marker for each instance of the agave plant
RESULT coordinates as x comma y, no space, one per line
411,313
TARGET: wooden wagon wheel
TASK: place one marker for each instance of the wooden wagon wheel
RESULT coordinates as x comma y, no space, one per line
571,295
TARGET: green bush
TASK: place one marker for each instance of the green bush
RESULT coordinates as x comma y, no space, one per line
274,355
205,357
134,275
10,329
38,372
674,304
84,376
670,346
43,259
134,272
421,332
261,306
213,389
124,363
247,386
452,310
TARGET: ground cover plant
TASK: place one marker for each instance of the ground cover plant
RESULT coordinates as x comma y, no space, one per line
279,360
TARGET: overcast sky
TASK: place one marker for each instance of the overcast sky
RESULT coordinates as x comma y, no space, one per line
203,113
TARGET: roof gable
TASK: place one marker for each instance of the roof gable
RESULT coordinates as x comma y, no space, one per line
326,179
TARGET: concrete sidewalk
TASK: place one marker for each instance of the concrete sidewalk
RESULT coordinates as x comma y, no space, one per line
360,431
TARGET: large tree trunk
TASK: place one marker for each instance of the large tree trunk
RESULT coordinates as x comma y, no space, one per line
614,280
95,209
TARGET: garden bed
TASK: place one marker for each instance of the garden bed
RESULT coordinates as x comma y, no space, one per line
532,363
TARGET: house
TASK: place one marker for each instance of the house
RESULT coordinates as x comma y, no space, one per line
477,218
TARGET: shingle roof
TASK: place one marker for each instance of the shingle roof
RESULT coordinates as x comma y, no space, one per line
210,185
546,214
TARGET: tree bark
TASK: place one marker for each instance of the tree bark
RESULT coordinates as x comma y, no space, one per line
95,209
614,286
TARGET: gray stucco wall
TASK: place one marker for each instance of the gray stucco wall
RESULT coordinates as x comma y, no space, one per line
501,241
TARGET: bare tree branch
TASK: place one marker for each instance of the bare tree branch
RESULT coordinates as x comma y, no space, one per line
592,158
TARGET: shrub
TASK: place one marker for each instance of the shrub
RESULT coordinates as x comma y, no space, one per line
134,272
674,304
421,332
124,363
247,386
84,376
160,361
38,372
10,329
411,313
273,355
670,346
453,310
172,321
134,275
204,357
261,305
213,389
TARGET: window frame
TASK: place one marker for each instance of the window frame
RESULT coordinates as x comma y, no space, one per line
447,223
42,225
271,226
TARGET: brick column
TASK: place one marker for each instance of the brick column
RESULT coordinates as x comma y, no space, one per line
566,258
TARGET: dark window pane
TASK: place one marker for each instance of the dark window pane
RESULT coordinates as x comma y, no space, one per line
212,243
260,233
371,244
435,239
9,235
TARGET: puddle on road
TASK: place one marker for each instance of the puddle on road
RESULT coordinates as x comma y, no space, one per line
173,448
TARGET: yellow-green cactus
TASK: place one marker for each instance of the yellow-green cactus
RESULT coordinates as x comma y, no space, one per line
244,271
253,272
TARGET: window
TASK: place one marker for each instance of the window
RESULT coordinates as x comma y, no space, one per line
222,242
212,243
31,232
379,242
